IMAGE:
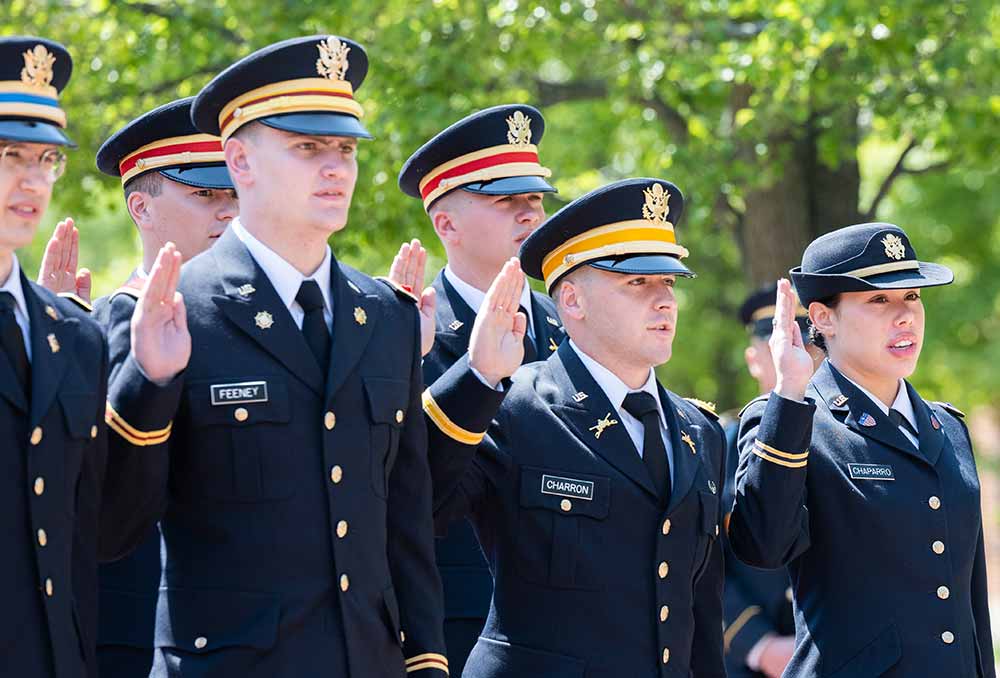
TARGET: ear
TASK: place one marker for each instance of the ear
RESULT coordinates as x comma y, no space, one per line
138,204
571,301
444,227
237,154
752,356
823,318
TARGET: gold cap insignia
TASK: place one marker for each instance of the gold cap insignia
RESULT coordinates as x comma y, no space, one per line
264,320
602,424
690,443
51,312
37,71
894,247
360,317
519,129
455,325
332,63
53,343
656,208
246,290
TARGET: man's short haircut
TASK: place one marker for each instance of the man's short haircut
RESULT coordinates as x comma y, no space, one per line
150,183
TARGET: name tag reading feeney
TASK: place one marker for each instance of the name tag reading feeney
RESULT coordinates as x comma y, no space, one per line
239,394
871,472
568,487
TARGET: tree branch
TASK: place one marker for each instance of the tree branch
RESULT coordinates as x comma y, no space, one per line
550,93
152,9
889,180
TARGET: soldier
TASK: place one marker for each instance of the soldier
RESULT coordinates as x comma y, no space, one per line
482,185
595,492
868,493
760,632
53,372
297,518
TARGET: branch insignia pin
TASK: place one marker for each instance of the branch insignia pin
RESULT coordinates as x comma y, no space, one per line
602,424
264,320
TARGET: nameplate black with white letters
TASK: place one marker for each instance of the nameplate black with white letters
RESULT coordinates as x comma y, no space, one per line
568,487
871,472
239,394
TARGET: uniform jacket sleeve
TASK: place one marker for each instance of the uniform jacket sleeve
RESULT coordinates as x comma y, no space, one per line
769,526
743,619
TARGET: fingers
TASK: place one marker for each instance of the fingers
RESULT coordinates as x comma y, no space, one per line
83,284
61,251
428,302
419,266
180,313
797,336
72,253
396,271
48,268
154,291
520,325
517,285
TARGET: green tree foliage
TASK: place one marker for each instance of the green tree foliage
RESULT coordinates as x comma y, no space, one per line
779,119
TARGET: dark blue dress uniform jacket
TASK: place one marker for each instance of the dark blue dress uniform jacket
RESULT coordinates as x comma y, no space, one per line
51,475
129,587
467,582
295,510
593,577
884,542
755,601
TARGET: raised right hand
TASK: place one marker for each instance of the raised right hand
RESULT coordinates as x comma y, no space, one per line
496,346
161,342
793,366
407,271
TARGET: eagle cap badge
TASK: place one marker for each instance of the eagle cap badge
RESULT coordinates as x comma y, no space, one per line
894,247
656,207
332,63
37,71
519,129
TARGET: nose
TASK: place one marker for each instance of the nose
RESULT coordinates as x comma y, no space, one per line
33,180
228,210
666,299
335,167
905,315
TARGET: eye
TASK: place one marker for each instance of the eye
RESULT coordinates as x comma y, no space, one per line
669,282
204,193
636,282
14,152
306,146
878,299
504,199
348,149
913,296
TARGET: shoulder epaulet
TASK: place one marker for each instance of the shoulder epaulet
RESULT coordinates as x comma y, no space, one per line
78,300
757,399
705,406
951,408
399,289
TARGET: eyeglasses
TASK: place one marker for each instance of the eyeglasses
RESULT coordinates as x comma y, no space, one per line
15,158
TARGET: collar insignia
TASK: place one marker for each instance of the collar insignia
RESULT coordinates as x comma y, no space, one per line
712,487
602,424
552,321
360,317
264,320
935,423
579,397
687,439
552,344
866,420
246,290
51,312
53,343
840,400
455,325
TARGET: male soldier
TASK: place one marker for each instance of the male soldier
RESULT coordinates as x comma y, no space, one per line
760,630
594,493
481,184
297,519
53,373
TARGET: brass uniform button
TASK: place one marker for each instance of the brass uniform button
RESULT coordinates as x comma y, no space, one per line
666,527
948,637
39,486
663,569
48,588
345,583
566,505
666,655
43,538
716,530
336,474
788,594
938,547
93,431
342,529
241,414
934,503
200,642
664,613
943,592
36,435
399,416
402,636
329,420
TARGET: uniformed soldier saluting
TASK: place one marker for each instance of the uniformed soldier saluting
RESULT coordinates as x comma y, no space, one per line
595,492
297,518
866,491
481,184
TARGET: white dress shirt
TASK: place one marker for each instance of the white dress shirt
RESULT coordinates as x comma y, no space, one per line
475,297
616,390
285,278
901,404
13,285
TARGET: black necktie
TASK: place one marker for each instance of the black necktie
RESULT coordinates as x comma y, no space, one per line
12,341
530,354
897,418
314,327
642,406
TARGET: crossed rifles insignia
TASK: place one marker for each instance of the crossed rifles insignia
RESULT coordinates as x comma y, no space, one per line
602,424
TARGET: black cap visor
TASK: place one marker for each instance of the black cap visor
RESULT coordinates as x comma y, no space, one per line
640,264
34,132
320,124
200,176
816,286
511,186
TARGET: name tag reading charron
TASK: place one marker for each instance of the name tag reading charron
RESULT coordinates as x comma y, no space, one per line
568,487
871,472
239,394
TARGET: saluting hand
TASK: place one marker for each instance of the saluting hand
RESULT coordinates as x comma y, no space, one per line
496,347
407,271
161,342
793,365
58,270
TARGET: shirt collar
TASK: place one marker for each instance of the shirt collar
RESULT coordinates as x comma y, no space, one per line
475,297
285,278
614,388
13,285
901,404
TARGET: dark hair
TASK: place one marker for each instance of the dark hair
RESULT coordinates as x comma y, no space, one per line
815,336
148,182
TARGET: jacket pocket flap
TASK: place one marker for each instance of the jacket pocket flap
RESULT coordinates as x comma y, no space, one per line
566,492
492,657
387,400
242,401
709,513
873,659
201,621
79,412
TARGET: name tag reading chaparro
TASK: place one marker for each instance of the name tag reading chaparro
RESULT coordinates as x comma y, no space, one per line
239,394
871,472
568,487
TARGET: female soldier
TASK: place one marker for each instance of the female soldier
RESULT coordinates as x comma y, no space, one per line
867,492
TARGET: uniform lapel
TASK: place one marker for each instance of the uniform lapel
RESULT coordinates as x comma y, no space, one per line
252,304
454,317
355,315
582,405
548,330
52,341
686,448
931,438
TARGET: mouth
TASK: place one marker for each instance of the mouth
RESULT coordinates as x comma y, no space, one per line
903,346
25,211
661,328
333,195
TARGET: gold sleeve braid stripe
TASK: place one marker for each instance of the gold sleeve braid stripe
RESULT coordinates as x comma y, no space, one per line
132,434
429,660
737,625
775,456
447,426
